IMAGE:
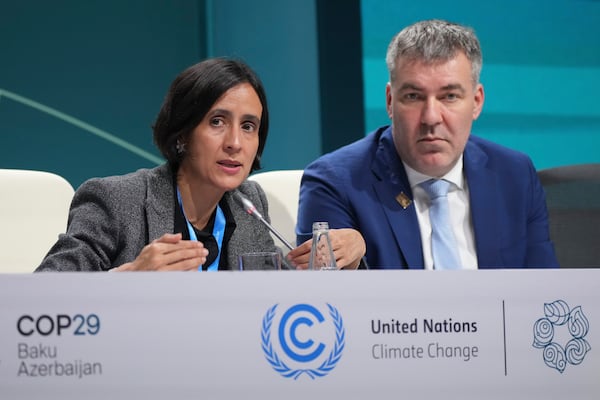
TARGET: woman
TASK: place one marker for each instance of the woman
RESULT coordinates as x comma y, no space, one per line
182,215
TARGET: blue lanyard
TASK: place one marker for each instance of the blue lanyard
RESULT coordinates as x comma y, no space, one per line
218,232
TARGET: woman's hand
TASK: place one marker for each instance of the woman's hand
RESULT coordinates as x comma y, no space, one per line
348,248
168,253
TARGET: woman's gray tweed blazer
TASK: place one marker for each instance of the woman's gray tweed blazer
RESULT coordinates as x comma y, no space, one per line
111,219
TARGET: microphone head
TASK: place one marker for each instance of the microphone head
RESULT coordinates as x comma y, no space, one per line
247,205
251,209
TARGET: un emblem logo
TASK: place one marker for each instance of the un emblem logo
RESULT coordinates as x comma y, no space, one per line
302,340
558,314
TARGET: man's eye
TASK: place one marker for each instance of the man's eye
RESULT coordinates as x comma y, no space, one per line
411,96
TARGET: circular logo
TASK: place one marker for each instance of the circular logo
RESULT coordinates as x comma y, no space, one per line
302,335
558,314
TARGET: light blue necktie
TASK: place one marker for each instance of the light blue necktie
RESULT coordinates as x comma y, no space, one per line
443,242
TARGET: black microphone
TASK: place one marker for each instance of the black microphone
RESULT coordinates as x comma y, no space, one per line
251,209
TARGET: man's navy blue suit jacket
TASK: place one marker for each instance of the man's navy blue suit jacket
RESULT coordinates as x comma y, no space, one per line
356,187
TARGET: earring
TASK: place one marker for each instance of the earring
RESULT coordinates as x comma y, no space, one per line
180,147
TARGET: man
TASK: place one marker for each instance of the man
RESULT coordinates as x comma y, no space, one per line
378,185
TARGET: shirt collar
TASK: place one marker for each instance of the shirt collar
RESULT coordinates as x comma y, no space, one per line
455,175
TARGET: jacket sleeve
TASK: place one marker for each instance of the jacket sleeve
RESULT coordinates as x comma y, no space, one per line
323,197
540,249
92,235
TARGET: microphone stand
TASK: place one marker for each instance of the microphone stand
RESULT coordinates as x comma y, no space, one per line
251,209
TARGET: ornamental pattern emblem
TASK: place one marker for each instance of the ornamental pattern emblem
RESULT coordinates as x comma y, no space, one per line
556,315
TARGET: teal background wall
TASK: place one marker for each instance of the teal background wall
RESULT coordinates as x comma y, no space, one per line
105,63
82,81
541,70
279,40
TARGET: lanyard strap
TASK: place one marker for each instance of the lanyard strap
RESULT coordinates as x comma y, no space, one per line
218,232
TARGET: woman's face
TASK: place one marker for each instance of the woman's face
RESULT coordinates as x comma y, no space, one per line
222,148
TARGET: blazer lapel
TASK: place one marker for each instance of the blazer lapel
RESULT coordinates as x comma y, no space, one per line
392,189
160,213
483,193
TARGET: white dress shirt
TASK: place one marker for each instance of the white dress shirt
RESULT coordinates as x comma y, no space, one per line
460,214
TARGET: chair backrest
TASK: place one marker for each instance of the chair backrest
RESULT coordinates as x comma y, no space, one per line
282,189
34,208
573,198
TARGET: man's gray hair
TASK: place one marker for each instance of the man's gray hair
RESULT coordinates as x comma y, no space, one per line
435,41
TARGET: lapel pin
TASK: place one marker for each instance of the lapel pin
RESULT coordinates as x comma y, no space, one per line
403,200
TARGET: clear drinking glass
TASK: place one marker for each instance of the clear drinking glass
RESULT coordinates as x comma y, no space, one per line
321,253
259,261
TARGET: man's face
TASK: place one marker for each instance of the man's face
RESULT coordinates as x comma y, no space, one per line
432,108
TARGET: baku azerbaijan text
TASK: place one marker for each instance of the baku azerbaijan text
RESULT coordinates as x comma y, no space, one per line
42,361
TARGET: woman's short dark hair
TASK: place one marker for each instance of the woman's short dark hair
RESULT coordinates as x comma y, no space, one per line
191,96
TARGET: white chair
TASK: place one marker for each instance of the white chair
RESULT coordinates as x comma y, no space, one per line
282,189
34,208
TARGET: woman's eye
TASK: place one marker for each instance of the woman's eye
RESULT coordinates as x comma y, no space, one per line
216,122
248,127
